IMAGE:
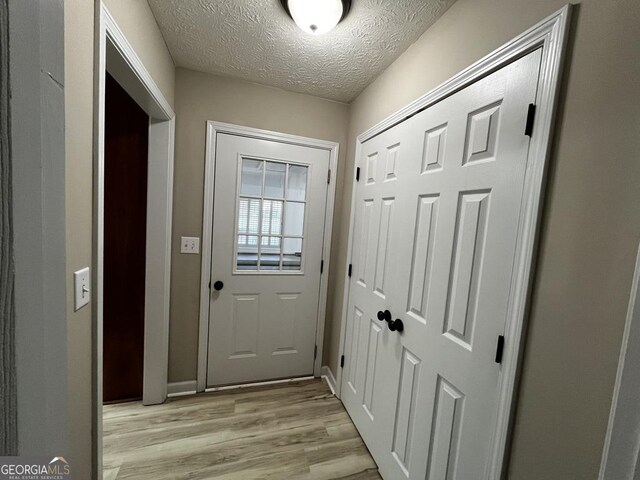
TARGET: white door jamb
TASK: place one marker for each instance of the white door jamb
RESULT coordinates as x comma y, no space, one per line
620,456
213,128
115,55
550,35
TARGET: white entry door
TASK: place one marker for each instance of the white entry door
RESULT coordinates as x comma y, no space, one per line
268,227
438,206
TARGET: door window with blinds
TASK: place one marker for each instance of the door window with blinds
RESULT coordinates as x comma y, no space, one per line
270,227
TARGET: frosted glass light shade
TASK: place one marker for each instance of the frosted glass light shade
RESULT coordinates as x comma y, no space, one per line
316,16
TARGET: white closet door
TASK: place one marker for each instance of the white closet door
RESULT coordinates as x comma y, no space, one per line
368,374
438,208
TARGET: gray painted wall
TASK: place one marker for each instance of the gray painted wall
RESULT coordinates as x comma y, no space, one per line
8,399
38,163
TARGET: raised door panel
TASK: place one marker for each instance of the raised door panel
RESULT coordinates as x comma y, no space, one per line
465,275
422,256
393,153
244,324
482,134
365,244
446,425
368,399
288,312
434,149
406,406
371,168
353,337
382,254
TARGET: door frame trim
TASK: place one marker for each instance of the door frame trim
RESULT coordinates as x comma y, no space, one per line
115,54
551,34
620,451
213,128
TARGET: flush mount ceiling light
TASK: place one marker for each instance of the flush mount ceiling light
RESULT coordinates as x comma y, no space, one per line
316,16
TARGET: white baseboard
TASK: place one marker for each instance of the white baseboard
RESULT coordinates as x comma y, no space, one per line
327,374
258,384
188,387
177,389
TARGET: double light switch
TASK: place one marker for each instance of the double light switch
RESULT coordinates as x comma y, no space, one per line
190,245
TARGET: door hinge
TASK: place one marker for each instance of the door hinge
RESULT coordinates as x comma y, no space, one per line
329,176
531,115
342,361
315,352
358,174
499,348
321,266
350,269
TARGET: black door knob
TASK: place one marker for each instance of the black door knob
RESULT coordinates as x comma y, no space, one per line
396,325
218,285
386,315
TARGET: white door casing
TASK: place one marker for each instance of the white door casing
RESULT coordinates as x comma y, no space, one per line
270,205
116,55
119,58
621,452
437,215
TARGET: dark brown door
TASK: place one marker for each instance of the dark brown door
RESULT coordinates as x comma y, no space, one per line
125,219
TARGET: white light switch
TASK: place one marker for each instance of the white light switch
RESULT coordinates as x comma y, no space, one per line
190,245
82,287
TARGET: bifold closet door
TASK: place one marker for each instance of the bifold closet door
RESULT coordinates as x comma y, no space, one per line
437,214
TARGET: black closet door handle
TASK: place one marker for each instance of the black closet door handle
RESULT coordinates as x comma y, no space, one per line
396,325
218,285
384,315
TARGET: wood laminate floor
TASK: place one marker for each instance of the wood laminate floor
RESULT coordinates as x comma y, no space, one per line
292,431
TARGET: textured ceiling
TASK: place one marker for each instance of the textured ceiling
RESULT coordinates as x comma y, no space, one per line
255,40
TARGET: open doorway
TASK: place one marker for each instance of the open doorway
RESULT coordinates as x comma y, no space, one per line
125,216
141,278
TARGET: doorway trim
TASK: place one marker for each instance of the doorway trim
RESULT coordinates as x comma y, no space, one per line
620,452
116,55
551,35
214,128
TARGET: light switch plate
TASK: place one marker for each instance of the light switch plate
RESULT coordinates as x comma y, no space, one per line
190,245
82,288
